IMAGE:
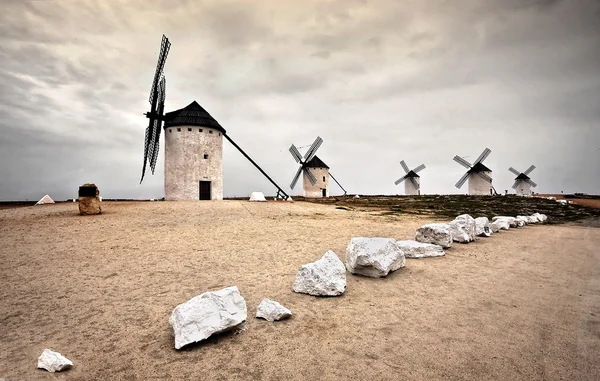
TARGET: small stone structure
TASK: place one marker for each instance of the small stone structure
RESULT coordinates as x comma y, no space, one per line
89,199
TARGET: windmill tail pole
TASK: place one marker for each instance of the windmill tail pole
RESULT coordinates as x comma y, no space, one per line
338,183
258,167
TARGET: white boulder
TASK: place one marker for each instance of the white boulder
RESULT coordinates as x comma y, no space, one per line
324,277
512,222
532,219
495,226
438,234
206,314
522,221
463,229
503,224
414,249
373,257
257,196
270,310
541,217
53,361
482,227
356,196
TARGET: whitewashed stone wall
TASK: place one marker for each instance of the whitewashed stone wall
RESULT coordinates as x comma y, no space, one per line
523,189
185,165
409,188
316,191
479,186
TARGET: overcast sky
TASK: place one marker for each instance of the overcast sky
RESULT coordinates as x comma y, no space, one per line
379,81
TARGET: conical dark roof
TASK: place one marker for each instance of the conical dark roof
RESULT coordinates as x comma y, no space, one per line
192,115
479,167
522,176
315,162
411,174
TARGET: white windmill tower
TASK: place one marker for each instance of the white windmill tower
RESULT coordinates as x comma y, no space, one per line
479,176
523,182
315,172
413,185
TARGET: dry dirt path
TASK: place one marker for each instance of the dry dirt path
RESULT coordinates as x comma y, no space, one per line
521,305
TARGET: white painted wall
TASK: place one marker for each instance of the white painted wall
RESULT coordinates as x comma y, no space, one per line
479,186
316,191
409,188
523,189
185,165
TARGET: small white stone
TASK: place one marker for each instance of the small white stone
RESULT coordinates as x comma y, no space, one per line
495,226
53,361
482,227
414,249
512,222
438,234
270,310
324,277
206,314
373,257
257,196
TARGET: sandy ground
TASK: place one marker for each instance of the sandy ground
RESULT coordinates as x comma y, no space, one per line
521,305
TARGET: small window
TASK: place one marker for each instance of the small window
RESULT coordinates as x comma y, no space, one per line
178,129
189,129
200,130
205,156
323,178
219,134
210,131
170,130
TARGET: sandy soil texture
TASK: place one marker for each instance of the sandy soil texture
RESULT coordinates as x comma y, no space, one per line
521,305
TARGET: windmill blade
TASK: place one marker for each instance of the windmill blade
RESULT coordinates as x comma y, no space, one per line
486,152
313,149
147,136
462,162
514,171
165,46
399,180
462,180
530,182
311,177
403,164
516,184
156,133
296,177
338,183
529,170
295,153
484,176
414,182
419,168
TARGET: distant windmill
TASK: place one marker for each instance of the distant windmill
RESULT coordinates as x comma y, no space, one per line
523,182
193,145
479,176
315,172
413,185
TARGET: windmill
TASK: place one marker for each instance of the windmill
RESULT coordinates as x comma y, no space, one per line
413,185
479,176
315,172
523,182
193,145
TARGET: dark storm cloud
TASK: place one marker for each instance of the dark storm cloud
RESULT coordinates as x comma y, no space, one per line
380,81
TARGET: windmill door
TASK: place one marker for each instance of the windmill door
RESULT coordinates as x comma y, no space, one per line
324,192
204,190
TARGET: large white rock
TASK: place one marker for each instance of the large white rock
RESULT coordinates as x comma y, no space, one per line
482,227
53,361
512,222
495,226
503,224
521,220
271,310
373,257
257,196
206,314
540,217
438,234
324,277
532,219
463,229
414,249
